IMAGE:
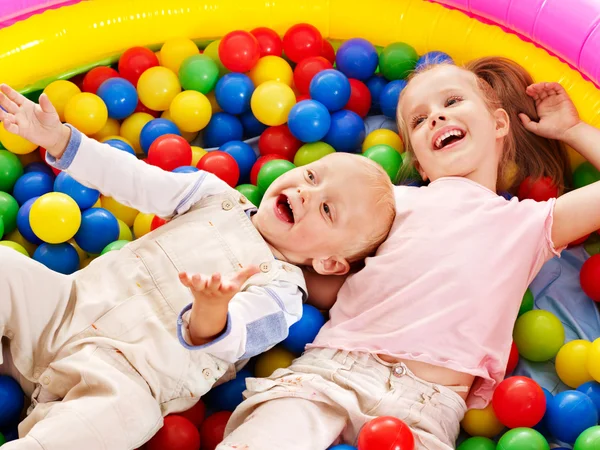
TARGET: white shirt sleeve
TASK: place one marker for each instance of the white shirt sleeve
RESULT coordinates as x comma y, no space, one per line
133,182
258,319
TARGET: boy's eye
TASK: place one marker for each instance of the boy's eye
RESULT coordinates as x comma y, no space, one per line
310,175
327,210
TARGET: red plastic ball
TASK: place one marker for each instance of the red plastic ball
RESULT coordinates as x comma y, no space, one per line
268,41
213,429
258,165
143,108
589,277
327,51
78,80
195,414
301,97
519,402
157,222
280,141
386,433
95,77
169,152
222,165
136,61
513,358
239,51
360,98
307,69
177,433
302,41
538,190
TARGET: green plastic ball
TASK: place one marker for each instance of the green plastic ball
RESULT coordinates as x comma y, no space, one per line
271,170
538,335
8,211
199,73
592,245
397,60
212,51
1,228
2,146
116,245
312,152
251,192
522,439
585,174
2,439
15,246
388,157
527,303
477,443
589,439
408,173
10,170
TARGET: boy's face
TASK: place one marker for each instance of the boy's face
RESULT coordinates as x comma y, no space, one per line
319,210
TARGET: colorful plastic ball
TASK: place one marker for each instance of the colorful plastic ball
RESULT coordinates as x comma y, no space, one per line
387,157
526,303
272,101
522,439
269,41
10,170
513,358
432,58
120,97
84,196
59,93
252,126
191,111
112,127
199,73
309,121
176,50
539,335
157,87
212,430
244,157
120,211
169,152
113,246
388,99
95,77
142,224
271,68
86,112
222,128
3,439
177,433
12,400
357,58
195,414
342,447
589,277
239,51
270,361
280,141
376,84
519,402
99,227
212,51
592,390
305,330
482,422
312,152
185,169
61,258
360,98
346,132
258,165
570,414
233,92
131,128
251,192
302,41
23,224
32,184
383,136
585,174
222,165
271,171
539,190
197,154
121,145
135,61
397,60
55,217
331,88
9,207
227,396
15,144
154,129
477,443
571,362
327,51
306,70
386,432
593,360
588,440
1,228
15,246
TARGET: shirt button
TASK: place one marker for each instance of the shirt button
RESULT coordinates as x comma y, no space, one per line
207,373
243,199
399,371
287,268
46,381
10,334
265,267
227,205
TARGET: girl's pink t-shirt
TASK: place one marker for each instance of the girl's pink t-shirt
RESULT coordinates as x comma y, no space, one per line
446,286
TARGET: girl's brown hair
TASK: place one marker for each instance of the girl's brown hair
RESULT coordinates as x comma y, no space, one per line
503,83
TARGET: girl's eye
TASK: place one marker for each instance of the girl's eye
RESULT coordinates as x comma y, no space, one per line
327,210
453,100
417,120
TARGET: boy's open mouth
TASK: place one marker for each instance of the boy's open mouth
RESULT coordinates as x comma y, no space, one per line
284,208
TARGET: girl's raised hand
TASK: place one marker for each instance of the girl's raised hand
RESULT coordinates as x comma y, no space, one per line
555,109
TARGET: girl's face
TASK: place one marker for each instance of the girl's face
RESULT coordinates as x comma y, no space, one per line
451,129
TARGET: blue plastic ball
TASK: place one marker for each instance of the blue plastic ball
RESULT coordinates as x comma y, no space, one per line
376,84
244,156
227,396
99,227
347,131
432,58
357,58
23,222
12,400
185,169
541,426
592,390
233,93
32,184
155,129
569,414
332,88
38,167
342,447
388,100
222,128
252,126
305,330
309,121
61,258
120,97
121,145
84,196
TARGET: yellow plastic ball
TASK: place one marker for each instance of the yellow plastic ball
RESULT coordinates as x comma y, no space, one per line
14,143
111,128
131,128
593,361
269,362
575,158
98,203
383,136
59,93
482,422
86,262
197,154
55,217
157,87
271,102
120,211
191,111
86,112
571,363
212,98
118,138
212,51
14,246
271,68
175,51
82,253
17,237
125,233
142,224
